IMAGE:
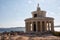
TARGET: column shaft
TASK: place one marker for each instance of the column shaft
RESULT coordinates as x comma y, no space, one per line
41,26
48,27
32,27
45,26
52,26
26,24
29,26
36,26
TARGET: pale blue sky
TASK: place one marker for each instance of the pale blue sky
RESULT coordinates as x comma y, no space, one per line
14,12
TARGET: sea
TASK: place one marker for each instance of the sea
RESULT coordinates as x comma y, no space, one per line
57,29
21,29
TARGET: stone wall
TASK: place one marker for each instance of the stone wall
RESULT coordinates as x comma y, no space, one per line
19,37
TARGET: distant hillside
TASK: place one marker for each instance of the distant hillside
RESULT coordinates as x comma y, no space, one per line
17,29
12,29
57,26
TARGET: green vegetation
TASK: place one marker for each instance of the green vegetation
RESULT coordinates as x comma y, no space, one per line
56,33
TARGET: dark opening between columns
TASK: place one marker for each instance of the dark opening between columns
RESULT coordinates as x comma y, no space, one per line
34,26
43,27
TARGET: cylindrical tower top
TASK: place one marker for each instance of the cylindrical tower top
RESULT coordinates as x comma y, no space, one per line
39,12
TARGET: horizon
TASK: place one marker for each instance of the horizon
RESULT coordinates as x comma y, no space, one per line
14,12
2,29
23,26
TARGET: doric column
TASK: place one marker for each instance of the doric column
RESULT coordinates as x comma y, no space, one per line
48,26
52,26
32,26
29,25
26,25
45,23
41,26
36,26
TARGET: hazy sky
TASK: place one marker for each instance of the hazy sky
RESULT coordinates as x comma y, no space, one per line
14,12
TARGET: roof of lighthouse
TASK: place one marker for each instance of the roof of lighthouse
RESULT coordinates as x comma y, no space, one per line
38,9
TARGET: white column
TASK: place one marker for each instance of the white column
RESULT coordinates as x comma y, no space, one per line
32,27
28,27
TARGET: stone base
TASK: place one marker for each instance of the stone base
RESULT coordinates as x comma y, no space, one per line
38,38
37,33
